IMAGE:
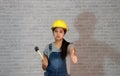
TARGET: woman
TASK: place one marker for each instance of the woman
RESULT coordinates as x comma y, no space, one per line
55,53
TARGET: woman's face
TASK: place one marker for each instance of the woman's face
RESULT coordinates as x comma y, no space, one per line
58,33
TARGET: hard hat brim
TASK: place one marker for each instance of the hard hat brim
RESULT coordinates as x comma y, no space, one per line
59,27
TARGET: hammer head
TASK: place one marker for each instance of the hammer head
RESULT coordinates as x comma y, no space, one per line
36,48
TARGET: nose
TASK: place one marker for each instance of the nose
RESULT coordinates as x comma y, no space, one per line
57,34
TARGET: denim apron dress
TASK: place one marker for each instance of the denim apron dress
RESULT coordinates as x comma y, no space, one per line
56,65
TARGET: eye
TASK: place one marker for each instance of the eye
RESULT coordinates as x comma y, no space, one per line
55,31
61,31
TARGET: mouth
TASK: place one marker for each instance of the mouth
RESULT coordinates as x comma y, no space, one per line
58,36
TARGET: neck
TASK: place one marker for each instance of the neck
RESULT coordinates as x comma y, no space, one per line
58,41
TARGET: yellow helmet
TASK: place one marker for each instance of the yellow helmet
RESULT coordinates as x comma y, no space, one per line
60,23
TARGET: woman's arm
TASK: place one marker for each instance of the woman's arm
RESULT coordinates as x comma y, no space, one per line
44,62
73,55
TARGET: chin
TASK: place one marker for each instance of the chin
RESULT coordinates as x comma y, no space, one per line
58,38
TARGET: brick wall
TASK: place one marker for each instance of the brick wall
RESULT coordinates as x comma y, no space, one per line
26,23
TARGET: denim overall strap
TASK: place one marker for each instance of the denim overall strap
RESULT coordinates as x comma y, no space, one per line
56,65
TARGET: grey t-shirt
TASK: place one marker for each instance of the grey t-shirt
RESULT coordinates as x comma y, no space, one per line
47,52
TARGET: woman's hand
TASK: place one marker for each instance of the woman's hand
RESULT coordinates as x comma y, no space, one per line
73,55
74,59
44,62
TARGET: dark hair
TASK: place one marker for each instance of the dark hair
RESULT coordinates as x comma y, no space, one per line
64,49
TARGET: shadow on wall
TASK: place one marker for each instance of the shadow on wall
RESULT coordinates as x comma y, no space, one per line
90,52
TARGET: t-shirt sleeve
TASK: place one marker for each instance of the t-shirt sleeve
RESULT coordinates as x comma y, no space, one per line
69,46
46,51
